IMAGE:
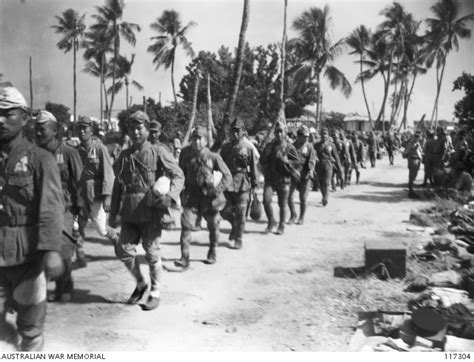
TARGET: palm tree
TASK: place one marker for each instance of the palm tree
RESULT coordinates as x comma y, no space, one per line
111,25
359,41
97,45
316,53
171,35
239,60
71,26
123,71
444,33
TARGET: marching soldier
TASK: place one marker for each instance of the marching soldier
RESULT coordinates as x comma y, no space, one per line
70,170
96,185
428,158
203,193
307,156
350,159
137,169
413,153
241,159
338,172
374,148
390,145
31,222
327,159
279,161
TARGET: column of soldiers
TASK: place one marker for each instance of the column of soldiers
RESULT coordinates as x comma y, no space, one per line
45,188
446,163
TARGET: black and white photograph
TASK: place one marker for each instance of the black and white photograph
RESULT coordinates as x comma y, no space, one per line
236,176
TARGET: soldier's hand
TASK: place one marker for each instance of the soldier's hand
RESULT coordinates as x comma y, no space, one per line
164,202
106,203
113,222
53,265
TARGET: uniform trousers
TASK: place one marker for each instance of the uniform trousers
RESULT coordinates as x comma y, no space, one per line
324,169
23,288
238,202
282,190
303,187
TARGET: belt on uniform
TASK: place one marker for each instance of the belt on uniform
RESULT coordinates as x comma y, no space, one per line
18,220
136,189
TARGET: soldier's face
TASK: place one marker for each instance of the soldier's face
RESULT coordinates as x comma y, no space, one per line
138,132
85,133
198,143
279,134
12,121
324,136
236,134
154,135
300,138
45,132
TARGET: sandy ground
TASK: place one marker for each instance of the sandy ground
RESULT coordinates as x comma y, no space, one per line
278,293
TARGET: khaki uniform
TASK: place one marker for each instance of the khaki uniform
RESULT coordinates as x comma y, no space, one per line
31,223
241,160
97,181
414,154
308,158
198,170
279,161
137,170
328,158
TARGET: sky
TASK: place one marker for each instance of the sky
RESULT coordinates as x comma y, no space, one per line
25,31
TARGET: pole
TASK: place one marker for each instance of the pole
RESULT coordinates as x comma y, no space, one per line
31,87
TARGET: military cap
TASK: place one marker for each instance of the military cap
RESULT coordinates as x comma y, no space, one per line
303,130
312,130
45,116
10,97
140,117
238,123
155,126
324,130
85,121
200,131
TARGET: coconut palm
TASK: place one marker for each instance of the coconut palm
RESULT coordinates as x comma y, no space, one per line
171,35
239,60
123,71
445,30
316,53
97,45
71,26
111,25
359,41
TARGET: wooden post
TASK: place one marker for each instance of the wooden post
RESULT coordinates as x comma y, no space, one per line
31,87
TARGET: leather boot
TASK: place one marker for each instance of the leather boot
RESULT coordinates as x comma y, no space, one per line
238,244
183,262
211,256
281,229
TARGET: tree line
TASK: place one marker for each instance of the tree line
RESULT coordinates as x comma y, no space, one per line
248,81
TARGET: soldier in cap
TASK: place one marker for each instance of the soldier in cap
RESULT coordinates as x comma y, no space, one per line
440,149
138,168
429,158
307,162
327,159
349,162
31,222
373,147
279,161
96,186
338,171
155,132
203,193
70,169
414,154
240,157
390,145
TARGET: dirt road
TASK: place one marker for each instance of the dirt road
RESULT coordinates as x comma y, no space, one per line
276,294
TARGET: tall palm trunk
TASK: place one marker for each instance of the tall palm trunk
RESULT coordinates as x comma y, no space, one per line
114,76
193,113
439,82
31,86
209,111
126,94
283,58
101,80
371,125
74,78
172,82
238,64
386,88
318,100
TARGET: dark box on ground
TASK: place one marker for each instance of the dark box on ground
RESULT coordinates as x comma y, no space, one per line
393,256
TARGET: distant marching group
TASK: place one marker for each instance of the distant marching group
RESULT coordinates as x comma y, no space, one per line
50,190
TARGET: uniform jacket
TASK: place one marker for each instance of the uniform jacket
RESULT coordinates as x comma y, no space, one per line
308,158
414,150
241,160
98,175
70,170
31,204
373,144
279,161
198,173
137,169
326,151
359,150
